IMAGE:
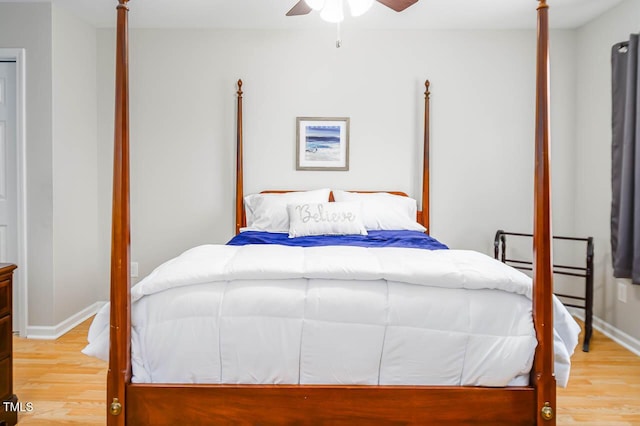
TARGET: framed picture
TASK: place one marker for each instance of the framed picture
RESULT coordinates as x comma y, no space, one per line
322,143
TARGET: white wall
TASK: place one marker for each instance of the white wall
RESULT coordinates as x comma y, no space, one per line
62,230
593,157
76,257
28,26
183,125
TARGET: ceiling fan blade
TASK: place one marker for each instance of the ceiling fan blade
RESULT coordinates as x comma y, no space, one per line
301,8
398,5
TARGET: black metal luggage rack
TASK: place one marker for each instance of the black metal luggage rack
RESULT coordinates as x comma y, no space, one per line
586,272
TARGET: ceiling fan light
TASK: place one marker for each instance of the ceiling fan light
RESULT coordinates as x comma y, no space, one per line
359,7
315,4
332,11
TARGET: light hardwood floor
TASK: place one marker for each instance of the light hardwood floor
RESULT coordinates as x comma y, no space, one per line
66,387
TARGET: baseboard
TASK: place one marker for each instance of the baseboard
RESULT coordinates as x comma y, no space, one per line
618,336
53,332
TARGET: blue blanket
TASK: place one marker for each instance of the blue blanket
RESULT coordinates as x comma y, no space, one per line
408,239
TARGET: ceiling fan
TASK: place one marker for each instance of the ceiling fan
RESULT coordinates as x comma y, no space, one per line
303,7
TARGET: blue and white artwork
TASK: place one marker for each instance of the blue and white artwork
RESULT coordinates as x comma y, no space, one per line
322,143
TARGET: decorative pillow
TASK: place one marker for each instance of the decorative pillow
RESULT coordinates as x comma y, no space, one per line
384,211
268,212
325,219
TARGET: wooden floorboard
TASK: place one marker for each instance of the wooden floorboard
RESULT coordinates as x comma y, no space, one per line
66,387
604,386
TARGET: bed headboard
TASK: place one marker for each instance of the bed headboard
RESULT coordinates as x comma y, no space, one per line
422,216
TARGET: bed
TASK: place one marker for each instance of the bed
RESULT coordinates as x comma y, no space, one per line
262,397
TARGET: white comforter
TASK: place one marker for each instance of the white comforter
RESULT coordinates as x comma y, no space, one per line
351,315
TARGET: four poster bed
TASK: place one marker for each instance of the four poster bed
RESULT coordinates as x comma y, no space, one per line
528,400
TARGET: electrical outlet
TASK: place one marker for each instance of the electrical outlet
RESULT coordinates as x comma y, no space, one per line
622,292
134,269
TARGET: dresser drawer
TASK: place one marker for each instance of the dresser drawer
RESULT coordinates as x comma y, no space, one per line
5,337
6,379
5,297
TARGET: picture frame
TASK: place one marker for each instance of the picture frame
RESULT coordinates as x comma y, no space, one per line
322,143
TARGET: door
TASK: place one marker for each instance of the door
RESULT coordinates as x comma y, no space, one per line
8,170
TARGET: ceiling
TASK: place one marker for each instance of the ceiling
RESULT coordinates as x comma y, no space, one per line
270,14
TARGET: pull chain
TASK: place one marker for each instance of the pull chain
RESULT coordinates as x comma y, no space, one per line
338,40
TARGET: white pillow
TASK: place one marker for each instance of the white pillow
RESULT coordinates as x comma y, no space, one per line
384,211
325,219
268,212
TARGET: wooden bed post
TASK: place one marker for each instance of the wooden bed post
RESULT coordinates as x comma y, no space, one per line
239,166
425,164
543,374
120,332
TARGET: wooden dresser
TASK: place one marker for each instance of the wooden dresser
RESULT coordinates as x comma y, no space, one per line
9,402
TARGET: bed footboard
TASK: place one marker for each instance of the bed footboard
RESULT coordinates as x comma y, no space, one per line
335,405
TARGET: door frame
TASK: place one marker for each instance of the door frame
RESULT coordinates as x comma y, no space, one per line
20,275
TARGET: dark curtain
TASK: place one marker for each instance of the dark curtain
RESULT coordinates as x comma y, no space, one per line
625,167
